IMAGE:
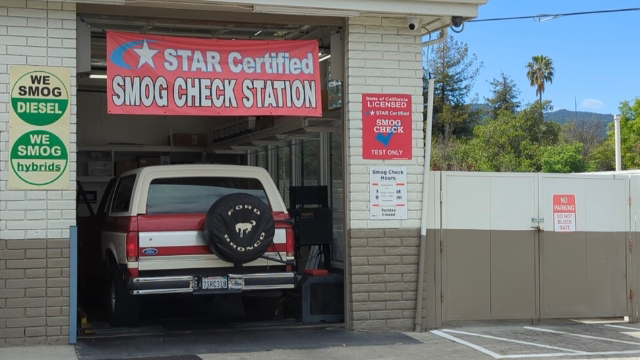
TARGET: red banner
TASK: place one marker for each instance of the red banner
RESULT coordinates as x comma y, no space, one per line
386,127
163,75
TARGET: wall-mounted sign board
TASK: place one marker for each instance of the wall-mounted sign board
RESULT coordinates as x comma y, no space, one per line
388,190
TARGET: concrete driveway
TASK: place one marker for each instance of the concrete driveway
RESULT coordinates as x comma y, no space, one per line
480,340
548,340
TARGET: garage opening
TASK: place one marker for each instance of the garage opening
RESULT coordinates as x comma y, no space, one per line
302,157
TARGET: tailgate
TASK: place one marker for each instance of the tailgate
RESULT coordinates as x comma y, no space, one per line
178,242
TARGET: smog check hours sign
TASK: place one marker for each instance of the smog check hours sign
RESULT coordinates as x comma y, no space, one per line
39,121
564,213
388,190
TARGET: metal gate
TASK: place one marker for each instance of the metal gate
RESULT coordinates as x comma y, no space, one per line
501,257
585,273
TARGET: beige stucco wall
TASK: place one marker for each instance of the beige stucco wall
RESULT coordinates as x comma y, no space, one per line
34,225
382,56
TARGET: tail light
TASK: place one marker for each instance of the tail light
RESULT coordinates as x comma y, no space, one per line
283,221
132,240
291,247
132,246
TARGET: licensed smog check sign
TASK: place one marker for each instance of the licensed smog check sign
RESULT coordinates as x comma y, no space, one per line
564,213
39,122
387,126
388,191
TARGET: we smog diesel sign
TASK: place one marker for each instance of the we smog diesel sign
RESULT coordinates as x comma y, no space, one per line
39,98
39,124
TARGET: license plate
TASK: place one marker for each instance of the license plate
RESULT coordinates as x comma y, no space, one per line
214,282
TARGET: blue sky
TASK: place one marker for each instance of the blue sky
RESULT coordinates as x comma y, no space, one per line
596,57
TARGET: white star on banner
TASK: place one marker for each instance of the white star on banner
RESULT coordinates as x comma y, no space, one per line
146,55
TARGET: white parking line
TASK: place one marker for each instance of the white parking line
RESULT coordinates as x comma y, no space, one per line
473,346
580,335
597,353
623,327
517,341
445,333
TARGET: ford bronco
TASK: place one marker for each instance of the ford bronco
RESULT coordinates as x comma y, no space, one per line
198,229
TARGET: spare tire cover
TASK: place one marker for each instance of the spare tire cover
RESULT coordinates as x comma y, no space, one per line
239,228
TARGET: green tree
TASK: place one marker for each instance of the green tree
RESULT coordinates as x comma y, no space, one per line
505,96
563,158
539,72
603,157
585,131
455,70
629,134
451,154
513,142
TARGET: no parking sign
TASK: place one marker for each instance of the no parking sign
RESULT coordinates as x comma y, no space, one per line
564,213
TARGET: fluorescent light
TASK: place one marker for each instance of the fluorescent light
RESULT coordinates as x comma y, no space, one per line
98,76
291,10
325,57
106,2
258,33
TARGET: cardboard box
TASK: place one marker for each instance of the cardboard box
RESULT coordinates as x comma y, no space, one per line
325,99
148,161
99,168
124,166
263,123
190,140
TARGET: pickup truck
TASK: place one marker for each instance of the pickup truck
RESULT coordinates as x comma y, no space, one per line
196,229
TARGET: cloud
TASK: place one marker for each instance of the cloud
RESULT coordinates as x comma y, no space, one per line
592,104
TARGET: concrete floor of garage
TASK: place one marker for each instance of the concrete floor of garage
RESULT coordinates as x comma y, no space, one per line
468,340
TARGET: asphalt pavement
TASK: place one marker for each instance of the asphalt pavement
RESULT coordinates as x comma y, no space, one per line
597,339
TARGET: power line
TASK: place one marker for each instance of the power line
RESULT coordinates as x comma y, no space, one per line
547,17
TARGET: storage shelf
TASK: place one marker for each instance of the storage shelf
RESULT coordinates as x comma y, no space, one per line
143,148
291,128
94,179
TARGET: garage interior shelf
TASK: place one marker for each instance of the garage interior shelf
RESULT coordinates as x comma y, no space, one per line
94,179
143,148
129,151
285,129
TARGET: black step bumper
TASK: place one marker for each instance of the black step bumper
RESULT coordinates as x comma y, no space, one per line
235,283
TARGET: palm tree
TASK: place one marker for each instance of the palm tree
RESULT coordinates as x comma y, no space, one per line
540,71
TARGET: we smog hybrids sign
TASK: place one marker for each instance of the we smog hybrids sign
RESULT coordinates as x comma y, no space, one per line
39,123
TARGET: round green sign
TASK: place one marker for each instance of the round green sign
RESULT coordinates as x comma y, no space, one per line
39,157
39,98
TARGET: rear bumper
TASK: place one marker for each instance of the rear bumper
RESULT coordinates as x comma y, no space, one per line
236,283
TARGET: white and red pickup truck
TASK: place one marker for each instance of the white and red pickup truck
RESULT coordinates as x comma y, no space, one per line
200,229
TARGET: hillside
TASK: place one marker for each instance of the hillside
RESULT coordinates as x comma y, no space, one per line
566,116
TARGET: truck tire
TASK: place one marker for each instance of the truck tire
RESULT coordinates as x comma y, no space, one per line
260,308
239,228
124,309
